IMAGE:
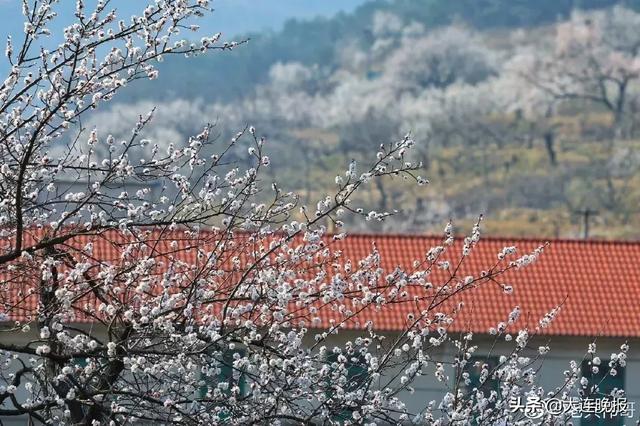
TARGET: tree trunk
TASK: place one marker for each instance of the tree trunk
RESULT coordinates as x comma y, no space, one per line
549,144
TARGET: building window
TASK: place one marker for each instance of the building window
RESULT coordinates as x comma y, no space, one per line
356,377
477,376
478,368
228,375
606,383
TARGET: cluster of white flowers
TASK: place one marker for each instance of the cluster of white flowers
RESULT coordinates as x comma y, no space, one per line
211,298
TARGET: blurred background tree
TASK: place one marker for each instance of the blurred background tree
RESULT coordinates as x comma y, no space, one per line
535,102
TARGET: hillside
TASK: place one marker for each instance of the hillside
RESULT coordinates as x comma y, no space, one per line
488,90
313,41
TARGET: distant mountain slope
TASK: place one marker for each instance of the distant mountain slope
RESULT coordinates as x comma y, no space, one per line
313,41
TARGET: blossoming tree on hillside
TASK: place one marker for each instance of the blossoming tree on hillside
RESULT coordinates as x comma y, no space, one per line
595,60
205,295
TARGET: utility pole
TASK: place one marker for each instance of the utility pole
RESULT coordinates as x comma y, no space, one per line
586,215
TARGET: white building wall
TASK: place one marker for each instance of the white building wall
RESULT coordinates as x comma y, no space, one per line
427,388
563,351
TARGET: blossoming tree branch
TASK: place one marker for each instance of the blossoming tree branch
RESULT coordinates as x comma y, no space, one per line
148,281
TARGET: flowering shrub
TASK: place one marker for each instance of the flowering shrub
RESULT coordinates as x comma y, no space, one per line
174,286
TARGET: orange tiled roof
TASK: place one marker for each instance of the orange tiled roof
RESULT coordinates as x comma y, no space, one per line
599,283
